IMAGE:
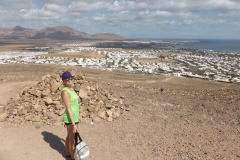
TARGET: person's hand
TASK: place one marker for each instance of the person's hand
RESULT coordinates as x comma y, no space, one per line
74,129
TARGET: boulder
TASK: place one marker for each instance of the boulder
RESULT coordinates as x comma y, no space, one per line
109,119
46,93
61,112
102,114
35,92
37,108
96,119
58,107
83,94
77,87
1,109
116,113
48,101
28,117
55,86
3,116
109,113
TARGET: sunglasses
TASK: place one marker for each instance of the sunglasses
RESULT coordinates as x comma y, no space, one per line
69,79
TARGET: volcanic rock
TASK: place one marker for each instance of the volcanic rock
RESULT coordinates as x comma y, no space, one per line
42,104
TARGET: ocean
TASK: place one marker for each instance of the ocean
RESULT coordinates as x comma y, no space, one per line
215,45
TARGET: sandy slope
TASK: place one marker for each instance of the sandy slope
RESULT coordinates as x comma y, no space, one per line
10,89
160,125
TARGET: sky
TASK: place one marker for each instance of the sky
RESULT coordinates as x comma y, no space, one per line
154,19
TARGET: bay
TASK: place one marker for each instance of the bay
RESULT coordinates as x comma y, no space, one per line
210,44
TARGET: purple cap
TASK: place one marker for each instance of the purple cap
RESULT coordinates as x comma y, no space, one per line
66,75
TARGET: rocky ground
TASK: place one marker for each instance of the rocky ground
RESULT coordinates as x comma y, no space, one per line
168,118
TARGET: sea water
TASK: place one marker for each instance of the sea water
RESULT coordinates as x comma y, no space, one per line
221,45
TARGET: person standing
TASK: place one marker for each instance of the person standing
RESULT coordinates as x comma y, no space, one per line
71,114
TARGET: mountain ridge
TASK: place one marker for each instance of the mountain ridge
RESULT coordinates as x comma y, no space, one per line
54,33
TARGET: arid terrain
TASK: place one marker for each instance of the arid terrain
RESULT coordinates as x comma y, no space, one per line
170,118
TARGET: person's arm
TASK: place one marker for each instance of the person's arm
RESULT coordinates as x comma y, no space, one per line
79,117
66,101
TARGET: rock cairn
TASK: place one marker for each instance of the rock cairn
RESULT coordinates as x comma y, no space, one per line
42,103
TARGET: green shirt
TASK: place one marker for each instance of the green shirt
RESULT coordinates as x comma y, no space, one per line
74,105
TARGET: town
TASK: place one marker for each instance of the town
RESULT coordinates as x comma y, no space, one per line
208,65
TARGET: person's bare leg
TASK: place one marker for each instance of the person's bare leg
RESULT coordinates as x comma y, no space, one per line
67,146
71,137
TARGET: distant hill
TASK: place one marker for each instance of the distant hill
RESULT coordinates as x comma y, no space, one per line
17,32
55,33
107,36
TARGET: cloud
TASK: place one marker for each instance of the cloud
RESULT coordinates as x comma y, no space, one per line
55,8
58,2
191,6
123,5
14,4
35,15
43,13
86,6
162,13
97,18
123,15
23,10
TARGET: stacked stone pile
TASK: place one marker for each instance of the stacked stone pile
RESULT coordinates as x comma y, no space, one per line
42,103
